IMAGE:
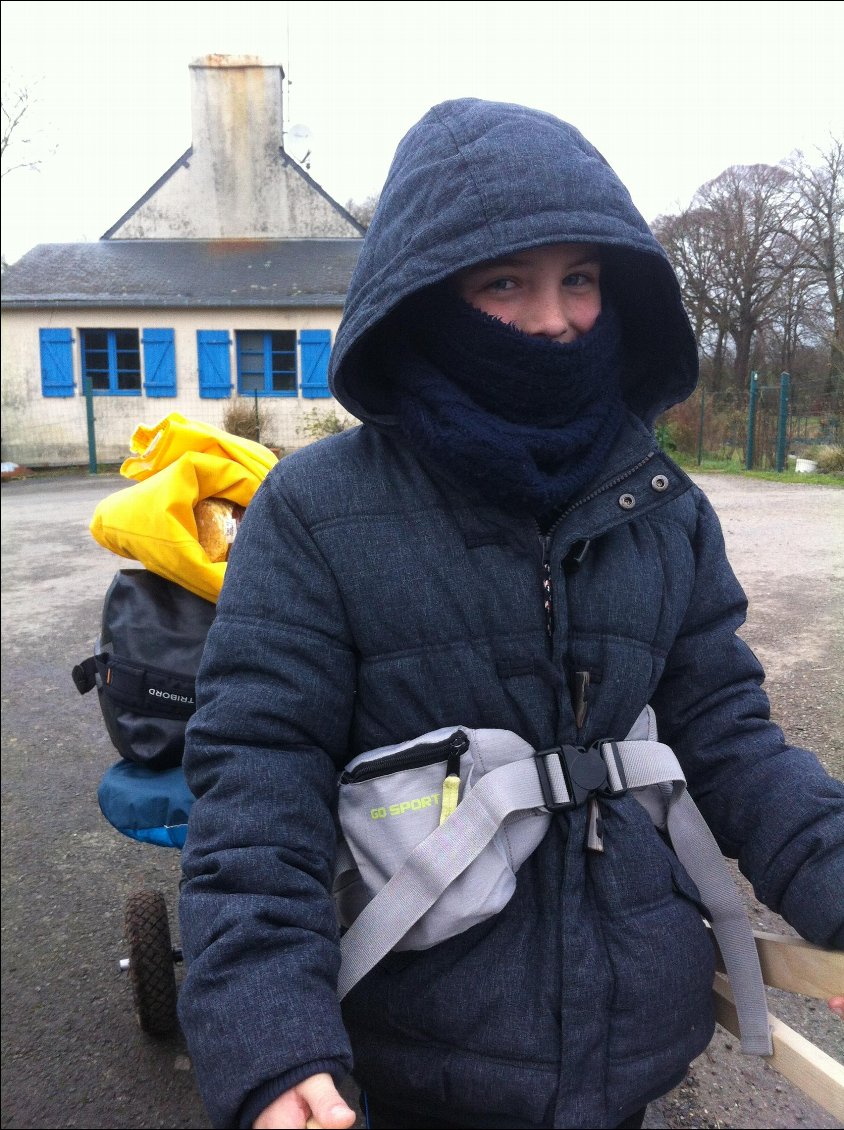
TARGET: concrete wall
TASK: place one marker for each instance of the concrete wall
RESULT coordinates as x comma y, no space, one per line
40,431
237,184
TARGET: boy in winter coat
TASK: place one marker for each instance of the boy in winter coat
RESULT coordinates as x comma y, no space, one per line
500,544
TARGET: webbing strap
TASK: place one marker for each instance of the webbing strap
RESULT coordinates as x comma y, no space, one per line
704,862
451,848
648,763
145,689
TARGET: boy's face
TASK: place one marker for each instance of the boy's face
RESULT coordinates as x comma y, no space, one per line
550,291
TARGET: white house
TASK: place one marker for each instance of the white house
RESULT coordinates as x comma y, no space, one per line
225,280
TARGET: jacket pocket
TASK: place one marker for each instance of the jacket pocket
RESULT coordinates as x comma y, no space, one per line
660,952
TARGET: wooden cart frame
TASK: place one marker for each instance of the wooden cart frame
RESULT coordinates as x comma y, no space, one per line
797,967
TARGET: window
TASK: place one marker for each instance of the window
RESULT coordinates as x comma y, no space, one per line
266,362
269,362
111,360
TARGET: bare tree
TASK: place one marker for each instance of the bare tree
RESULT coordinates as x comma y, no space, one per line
818,200
689,239
794,325
363,210
691,252
16,104
750,211
760,257
733,248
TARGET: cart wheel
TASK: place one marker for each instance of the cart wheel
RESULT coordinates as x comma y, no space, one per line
151,967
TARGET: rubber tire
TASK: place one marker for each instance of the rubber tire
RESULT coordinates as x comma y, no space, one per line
152,971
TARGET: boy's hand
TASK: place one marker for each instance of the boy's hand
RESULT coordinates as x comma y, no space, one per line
315,1102
837,1006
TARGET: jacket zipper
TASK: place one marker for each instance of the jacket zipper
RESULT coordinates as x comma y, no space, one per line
450,750
547,594
545,539
580,703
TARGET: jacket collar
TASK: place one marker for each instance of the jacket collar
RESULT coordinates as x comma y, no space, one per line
637,479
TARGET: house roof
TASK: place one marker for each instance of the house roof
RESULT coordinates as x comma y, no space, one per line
184,160
183,273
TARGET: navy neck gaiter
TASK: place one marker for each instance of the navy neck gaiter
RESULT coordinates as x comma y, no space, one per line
525,421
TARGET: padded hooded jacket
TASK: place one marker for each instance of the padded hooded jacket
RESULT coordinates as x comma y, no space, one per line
370,599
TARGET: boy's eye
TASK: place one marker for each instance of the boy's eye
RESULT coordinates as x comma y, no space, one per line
578,278
500,284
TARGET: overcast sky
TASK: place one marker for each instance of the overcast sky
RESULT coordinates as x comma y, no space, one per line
671,93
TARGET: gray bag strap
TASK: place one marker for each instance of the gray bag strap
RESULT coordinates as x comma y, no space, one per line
653,763
541,784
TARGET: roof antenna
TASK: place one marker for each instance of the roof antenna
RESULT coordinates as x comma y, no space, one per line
298,134
285,124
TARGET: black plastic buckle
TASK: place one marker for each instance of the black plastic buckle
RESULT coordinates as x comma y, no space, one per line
584,771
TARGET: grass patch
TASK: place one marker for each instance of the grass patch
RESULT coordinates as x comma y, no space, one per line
729,467
836,480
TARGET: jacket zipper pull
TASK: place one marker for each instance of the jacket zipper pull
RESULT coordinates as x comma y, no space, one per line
594,829
451,784
581,692
547,593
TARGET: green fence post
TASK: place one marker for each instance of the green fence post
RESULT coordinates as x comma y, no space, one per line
782,423
700,426
751,418
92,440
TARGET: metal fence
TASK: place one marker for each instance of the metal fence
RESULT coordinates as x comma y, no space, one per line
775,422
95,431
767,426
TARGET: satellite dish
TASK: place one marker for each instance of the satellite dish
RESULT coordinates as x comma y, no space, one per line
299,135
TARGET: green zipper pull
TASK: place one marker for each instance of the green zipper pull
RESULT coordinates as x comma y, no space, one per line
451,784
450,791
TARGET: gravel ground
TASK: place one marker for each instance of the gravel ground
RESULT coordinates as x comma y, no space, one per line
72,1053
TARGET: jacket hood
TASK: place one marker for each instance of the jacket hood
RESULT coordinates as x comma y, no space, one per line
474,180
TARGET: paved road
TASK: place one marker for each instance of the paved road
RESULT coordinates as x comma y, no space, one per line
73,1055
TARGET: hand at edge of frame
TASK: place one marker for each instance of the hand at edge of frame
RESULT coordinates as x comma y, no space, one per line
837,1006
314,1103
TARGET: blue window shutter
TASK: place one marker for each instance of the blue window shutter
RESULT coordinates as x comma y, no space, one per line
57,363
215,367
159,362
315,349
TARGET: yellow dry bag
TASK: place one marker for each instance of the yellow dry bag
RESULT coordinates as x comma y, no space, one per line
177,464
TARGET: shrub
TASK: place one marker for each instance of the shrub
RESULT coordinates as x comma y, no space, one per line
724,428
830,459
247,419
664,433
681,424
318,424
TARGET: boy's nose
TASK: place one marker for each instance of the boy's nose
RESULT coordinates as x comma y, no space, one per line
549,317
